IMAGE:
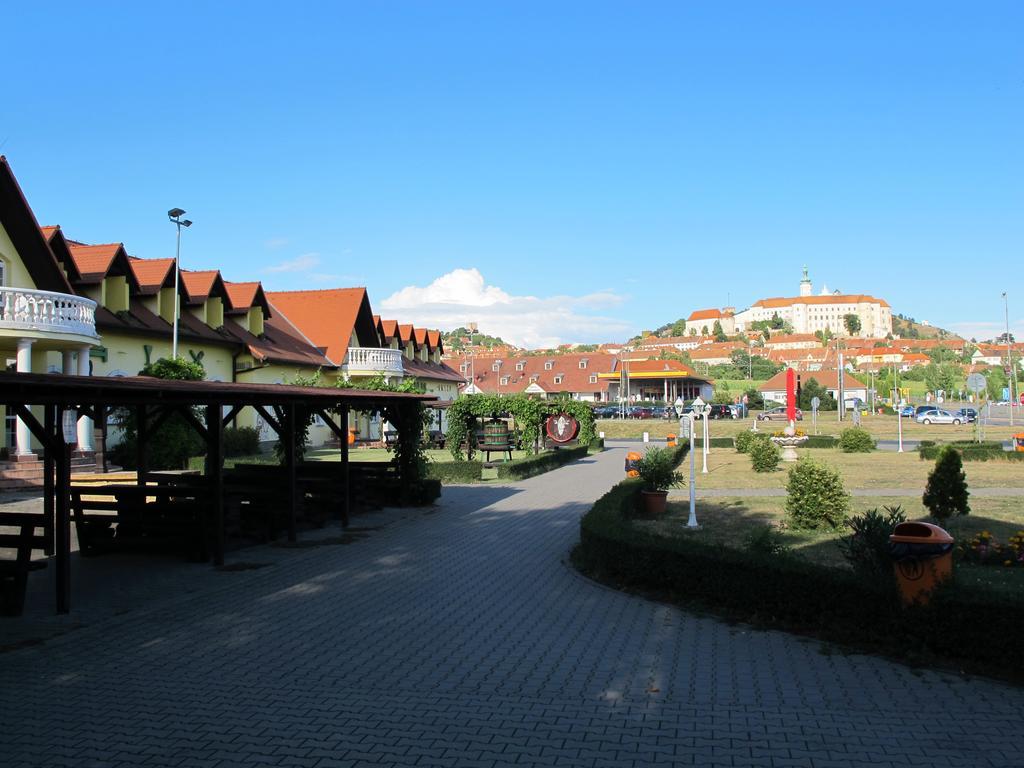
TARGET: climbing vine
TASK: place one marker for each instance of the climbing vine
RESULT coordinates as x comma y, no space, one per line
528,416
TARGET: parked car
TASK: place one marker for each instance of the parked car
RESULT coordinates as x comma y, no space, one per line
939,416
923,408
640,412
908,411
969,415
606,412
779,414
721,412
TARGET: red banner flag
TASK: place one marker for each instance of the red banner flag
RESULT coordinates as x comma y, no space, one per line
790,394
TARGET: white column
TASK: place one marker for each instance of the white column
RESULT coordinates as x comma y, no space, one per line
85,423
67,362
23,437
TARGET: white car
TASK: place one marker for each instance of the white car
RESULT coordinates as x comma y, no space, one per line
938,416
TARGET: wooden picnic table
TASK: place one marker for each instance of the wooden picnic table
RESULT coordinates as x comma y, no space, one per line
143,514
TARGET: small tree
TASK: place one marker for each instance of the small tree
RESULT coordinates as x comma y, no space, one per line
718,333
816,497
856,440
812,389
764,455
945,493
852,323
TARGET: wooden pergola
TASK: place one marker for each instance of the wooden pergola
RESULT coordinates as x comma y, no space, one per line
154,401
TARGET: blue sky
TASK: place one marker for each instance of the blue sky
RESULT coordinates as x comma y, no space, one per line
557,172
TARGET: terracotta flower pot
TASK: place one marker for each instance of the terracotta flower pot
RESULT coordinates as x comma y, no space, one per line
654,502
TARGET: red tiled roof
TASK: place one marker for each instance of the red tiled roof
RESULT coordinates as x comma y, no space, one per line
327,317
705,314
845,298
48,231
93,261
405,333
421,336
151,273
389,328
242,295
827,379
199,284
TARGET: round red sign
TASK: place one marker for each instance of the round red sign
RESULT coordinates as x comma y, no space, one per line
561,427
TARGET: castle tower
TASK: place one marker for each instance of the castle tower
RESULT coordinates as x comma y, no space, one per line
805,284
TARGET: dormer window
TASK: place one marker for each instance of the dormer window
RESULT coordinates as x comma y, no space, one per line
558,379
534,378
520,366
496,366
593,378
504,380
548,365
464,367
583,364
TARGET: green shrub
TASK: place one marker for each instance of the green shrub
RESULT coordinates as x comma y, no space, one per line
745,439
856,440
454,471
657,469
945,493
970,452
766,540
815,496
764,455
520,469
821,441
241,441
866,549
714,442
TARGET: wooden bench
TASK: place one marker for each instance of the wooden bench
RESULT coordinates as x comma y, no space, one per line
143,514
256,496
31,535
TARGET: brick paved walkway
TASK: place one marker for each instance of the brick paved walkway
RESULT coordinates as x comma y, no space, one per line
459,637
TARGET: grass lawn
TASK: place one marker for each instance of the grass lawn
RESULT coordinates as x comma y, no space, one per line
882,427
878,469
730,521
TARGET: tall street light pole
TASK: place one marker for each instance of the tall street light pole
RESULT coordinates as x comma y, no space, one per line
175,215
1009,355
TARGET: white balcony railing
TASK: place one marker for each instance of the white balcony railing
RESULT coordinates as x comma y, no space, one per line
373,360
30,310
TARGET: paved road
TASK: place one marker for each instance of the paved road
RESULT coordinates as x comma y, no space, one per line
459,637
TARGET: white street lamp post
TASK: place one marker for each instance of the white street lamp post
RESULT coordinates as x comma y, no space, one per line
1009,355
175,215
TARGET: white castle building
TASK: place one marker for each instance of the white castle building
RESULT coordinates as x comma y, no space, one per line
808,313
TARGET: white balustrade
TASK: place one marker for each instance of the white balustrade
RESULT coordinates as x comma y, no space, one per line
31,310
375,360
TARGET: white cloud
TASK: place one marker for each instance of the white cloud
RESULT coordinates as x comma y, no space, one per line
462,296
303,263
275,242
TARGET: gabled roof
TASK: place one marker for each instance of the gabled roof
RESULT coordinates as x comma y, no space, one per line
243,296
838,298
707,314
96,262
420,334
202,284
28,239
405,334
59,247
388,329
329,318
829,379
152,274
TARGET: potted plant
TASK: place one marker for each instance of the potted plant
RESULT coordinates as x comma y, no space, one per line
658,473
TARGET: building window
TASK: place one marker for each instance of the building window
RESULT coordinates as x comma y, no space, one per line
558,379
520,366
548,365
534,378
3,273
593,378
583,364
496,366
504,380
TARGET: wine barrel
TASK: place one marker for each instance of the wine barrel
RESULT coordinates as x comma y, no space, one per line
496,435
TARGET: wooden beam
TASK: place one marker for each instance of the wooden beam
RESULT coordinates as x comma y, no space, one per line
231,414
49,467
38,430
345,494
198,426
289,457
160,416
273,422
329,421
215,475
142,442
63,517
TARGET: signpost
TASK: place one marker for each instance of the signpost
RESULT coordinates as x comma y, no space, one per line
815,402
686,429
702,409
978,384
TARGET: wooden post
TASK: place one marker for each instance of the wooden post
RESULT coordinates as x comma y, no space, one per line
215,477
289,457
49,466
63,521
142,436
346,496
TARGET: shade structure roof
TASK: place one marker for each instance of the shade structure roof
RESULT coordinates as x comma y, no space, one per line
55,389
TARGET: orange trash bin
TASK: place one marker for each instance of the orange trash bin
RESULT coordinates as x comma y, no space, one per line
922,558
671,440
632,459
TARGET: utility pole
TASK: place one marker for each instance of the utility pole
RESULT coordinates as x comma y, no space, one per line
1011,379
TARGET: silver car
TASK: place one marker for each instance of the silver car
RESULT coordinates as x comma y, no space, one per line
938,416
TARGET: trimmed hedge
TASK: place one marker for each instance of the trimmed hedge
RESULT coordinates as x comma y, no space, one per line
971,453
971,627
520,469
821,441
714,442
454,471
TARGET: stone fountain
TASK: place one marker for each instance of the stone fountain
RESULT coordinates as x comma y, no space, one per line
788,441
